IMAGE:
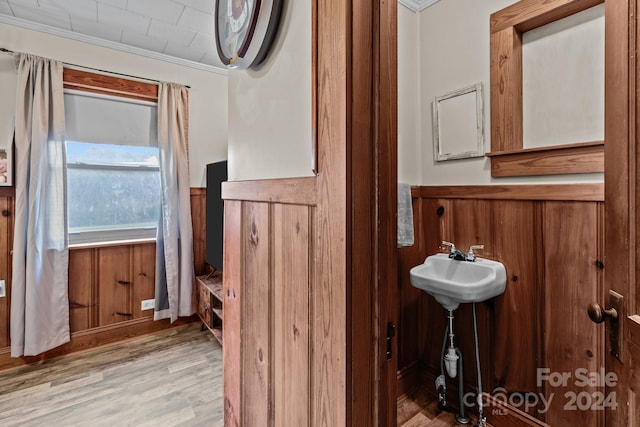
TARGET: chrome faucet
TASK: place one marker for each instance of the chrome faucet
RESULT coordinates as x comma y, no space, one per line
458,255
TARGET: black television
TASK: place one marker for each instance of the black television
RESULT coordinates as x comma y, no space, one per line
216,175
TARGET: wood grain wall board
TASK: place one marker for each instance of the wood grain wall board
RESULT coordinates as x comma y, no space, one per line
506,92
199,225
362,226
329,304
143,278
256,315
409,319
517,312
529,14
82,302
6,244
571,283
114,285
559,192
297,191
291,241
554,160
233,320
385,143
109,85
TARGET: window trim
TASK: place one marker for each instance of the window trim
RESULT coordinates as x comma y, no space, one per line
75,80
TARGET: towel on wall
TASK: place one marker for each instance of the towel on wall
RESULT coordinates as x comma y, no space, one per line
405,216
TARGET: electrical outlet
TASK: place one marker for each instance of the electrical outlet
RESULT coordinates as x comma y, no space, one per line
3,289
148,304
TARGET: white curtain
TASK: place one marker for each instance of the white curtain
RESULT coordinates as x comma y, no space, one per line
174,247
39,292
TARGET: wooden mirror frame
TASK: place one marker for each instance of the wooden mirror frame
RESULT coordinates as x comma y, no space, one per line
508,156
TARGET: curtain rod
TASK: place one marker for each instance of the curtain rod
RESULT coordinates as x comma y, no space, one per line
2,49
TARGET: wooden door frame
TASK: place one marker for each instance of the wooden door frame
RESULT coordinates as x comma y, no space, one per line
356,95
622,190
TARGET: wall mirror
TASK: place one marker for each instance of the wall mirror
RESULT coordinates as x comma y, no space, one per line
458,124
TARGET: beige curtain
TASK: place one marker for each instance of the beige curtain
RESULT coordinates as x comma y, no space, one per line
174,247
39,295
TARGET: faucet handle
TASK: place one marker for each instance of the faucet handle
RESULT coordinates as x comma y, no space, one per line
472,254
451,246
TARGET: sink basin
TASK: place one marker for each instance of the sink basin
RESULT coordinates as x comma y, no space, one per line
454,282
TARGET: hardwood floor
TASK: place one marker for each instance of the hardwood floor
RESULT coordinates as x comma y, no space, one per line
173,378
421,410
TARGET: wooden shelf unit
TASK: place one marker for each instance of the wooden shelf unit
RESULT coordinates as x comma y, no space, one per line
209,302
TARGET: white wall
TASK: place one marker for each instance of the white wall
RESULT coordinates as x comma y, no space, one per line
454,53
409,144
270,108
207,96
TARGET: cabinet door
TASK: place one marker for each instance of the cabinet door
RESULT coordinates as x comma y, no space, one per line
144,273
114,285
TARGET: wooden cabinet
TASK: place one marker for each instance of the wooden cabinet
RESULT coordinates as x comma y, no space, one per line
209,303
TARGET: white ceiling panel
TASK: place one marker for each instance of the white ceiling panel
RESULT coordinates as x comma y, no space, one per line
122,4
86,9
196,20
134,38
201,5
162,10
95,29
179,35
117,17
31,12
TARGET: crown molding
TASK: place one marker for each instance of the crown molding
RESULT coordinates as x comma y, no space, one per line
417,5
47,29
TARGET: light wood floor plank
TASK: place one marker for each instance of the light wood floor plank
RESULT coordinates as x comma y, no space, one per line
173,378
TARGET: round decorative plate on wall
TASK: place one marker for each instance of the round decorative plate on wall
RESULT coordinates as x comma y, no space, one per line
245,30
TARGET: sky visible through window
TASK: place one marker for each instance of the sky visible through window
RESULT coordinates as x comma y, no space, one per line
112,187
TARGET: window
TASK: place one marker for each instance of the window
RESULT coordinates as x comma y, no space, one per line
113,175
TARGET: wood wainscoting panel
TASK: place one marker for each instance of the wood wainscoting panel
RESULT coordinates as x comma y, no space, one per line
552,251
257,335
143,278
290,295
572,341
232,325
6,244
114,285
82,290
268,330
518,247
199,225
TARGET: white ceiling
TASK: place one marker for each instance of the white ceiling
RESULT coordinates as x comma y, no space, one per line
180,31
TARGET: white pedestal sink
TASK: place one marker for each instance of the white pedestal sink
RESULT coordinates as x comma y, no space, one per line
454,282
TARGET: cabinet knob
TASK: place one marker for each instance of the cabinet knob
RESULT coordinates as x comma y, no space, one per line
6,213
598,315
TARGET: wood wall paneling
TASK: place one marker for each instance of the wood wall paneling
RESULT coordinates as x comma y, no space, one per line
6,243
549,249
291,290
199,225
233,319
518,246
114,285
257,336
143,278
571,283
82,290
